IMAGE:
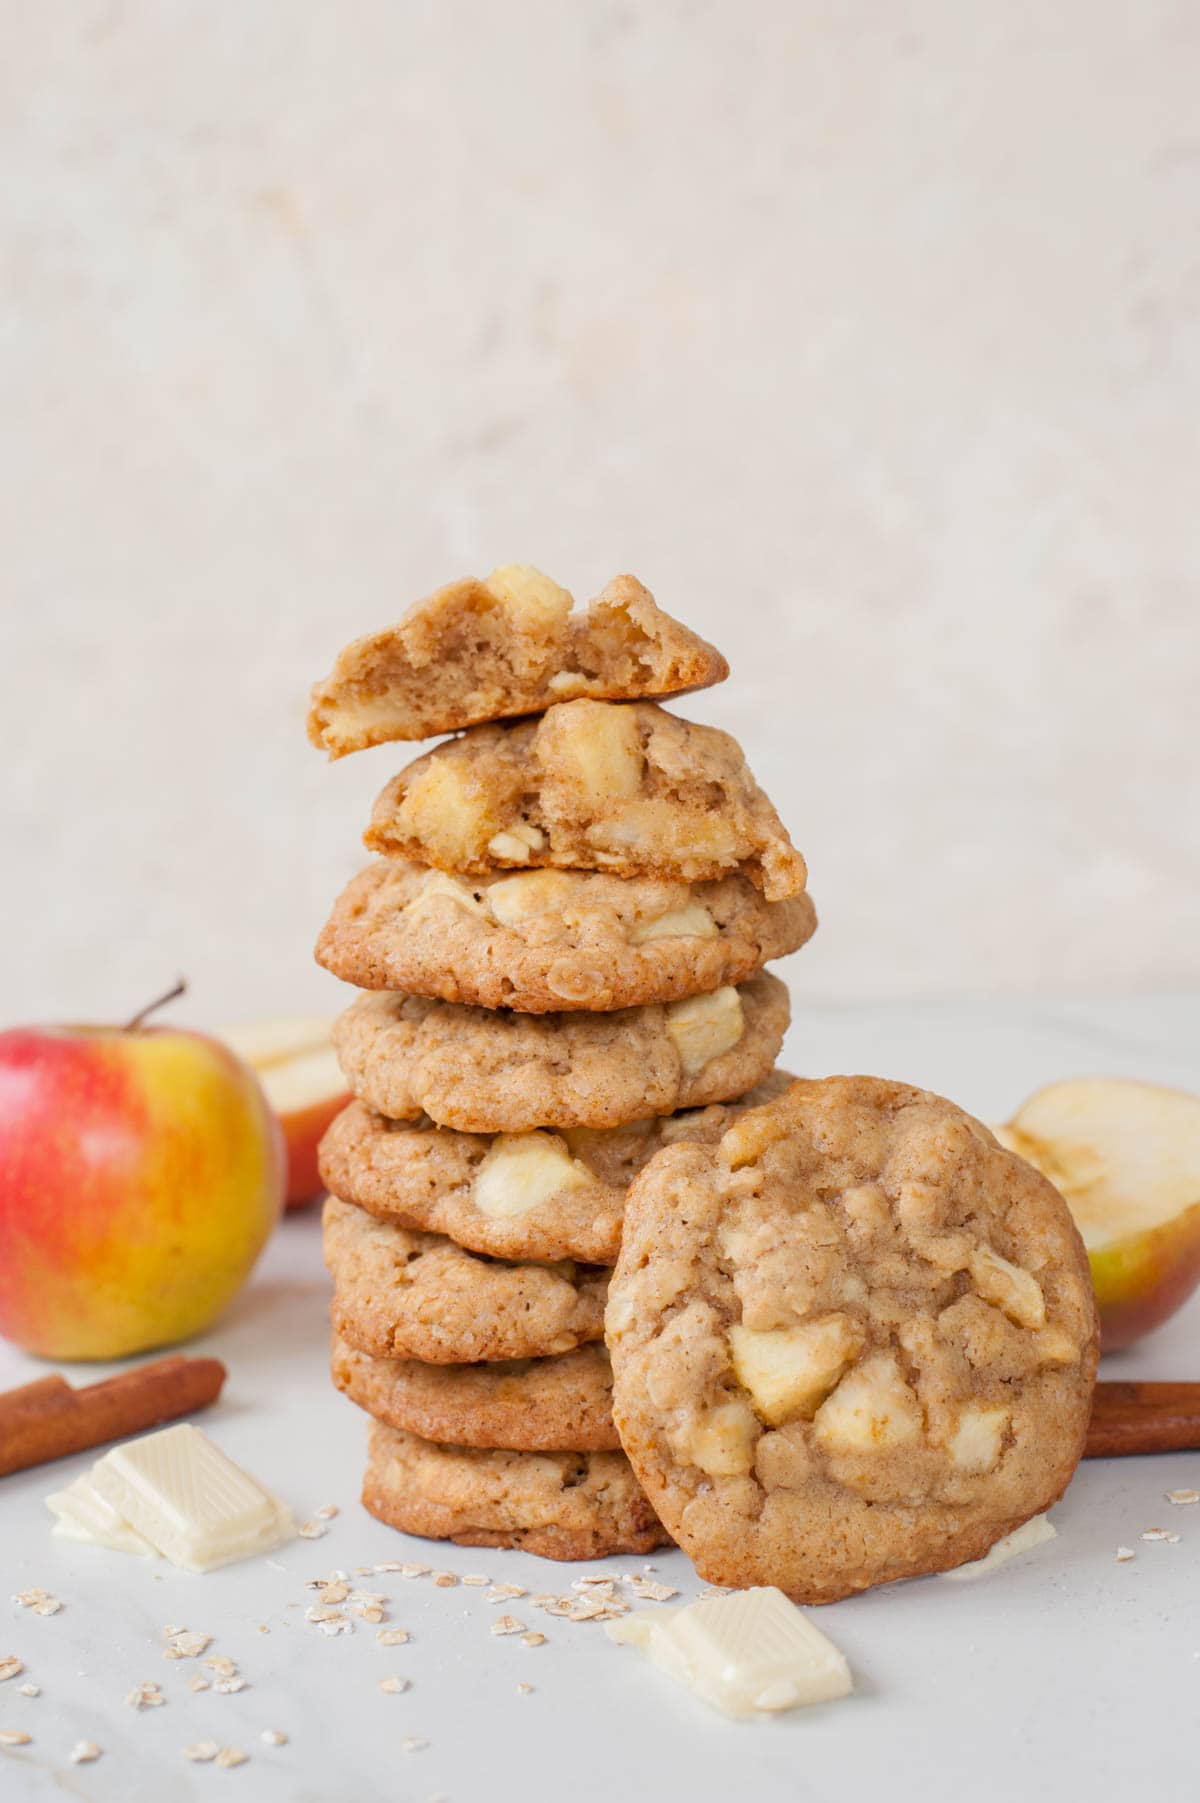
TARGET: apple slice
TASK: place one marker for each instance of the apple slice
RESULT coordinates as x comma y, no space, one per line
295,1064
1126,1158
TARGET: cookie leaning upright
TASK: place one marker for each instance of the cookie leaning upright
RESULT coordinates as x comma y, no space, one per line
561,952
854,1341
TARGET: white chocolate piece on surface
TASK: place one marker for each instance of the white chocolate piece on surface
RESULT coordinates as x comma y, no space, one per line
749,1654
83,1514
189,1500
1022,1540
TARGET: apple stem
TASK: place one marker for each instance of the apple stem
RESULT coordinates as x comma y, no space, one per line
172,994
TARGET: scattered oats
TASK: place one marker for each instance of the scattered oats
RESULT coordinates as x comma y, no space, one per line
263,1628
187,1646
14,1737
603,1591
334,1593
146,1696
649,1567
222,1665
406,1570
10,1666
413,1744
231,1756
364,1571
524,1690
315,1613
507,1624
388,1565
613,1611
533,1640
367,1612
199,1683
340,1626
27,1598
170,1631
393,1686
542,1599
312,1530
445,1580
327,1512
393,1637
274,1737
476,1582
586,1610
1182,1497
83,1752
505,1593
228,1687
597,1581
1162,1534
1124,1554
49,1605
201,1751
373,1598
30,1690
713,1591
651,1592
559,1605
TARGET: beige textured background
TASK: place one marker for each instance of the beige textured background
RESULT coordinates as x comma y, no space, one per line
865,333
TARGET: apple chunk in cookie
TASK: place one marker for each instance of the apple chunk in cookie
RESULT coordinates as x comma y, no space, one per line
592,785
855,1340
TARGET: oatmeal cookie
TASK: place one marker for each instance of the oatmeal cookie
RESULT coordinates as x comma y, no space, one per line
417,1295
543,940
509,645
854,1341
526,1405
486,1072
563,1505
592,785
533,1195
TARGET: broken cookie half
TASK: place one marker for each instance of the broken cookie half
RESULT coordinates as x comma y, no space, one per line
507,645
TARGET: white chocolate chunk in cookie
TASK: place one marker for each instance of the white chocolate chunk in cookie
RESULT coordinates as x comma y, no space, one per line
1008,1287
705,1026
593,748
518,898
975,1443
871,1409
721,1443
790,1371
691,921
532,601
522,1171
451,888
442,808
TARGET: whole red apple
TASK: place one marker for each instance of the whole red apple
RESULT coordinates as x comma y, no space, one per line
141,1172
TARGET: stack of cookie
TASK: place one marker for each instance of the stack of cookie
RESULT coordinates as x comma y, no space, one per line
561,950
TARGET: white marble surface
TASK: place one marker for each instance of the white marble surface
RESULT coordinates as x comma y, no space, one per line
867,333
1062,1675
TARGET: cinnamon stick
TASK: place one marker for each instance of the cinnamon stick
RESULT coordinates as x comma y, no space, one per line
1132,1418
48,1419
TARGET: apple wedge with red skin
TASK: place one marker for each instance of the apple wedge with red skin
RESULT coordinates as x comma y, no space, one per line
1126,1158
294,1061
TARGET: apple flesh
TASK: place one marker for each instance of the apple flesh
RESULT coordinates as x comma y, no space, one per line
141,1172
295,1063
1126,1158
